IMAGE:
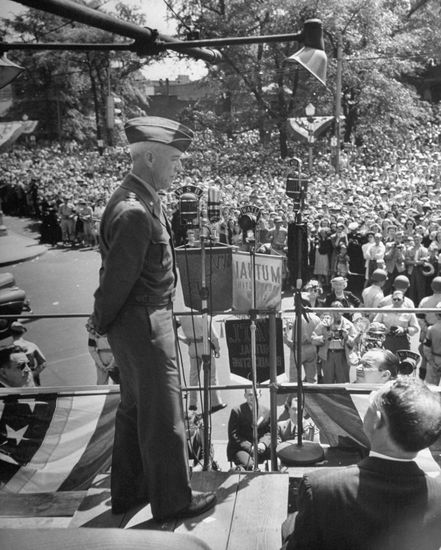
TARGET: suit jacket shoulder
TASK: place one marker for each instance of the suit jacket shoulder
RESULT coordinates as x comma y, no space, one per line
376,504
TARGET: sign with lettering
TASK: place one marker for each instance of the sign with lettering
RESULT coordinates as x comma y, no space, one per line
238,337
189,189
267,277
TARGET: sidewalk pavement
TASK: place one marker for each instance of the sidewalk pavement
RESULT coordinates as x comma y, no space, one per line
15,248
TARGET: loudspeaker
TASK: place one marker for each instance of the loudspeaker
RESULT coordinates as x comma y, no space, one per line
298,252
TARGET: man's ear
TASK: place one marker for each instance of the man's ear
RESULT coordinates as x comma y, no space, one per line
386,375
379,421
148,157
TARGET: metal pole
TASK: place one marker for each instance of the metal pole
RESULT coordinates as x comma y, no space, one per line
145,37
338,89
253,354
273,387
206,355
310,138
298,332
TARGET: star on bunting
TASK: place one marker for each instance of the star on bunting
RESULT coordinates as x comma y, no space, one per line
18,435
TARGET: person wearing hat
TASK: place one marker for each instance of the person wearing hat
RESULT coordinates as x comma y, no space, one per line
432,350
399,325
394,259
373,294
277,235
416,257
133,306
356,259
36,359
375,254
401,282
85,217
67,218
339,293
335,337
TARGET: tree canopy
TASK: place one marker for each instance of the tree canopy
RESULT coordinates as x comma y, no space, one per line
387,45
67,90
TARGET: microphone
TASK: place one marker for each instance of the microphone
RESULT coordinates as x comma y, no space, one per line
213,206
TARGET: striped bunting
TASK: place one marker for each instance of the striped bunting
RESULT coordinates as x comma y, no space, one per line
51,442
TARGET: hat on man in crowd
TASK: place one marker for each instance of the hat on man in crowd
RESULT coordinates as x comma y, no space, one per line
159,130
376,328
401,282
17,327
436,285
379,275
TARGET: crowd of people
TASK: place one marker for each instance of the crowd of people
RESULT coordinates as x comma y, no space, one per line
385,195
378,223
380,214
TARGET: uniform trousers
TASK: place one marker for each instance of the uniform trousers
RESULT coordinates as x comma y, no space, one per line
150,459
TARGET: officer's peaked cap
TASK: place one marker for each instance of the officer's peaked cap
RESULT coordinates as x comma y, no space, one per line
160,130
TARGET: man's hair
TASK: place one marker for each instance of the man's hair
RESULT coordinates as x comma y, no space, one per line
5,355
288,401
390,362
382,360
413,412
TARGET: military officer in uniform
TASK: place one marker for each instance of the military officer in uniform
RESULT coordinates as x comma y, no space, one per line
133,306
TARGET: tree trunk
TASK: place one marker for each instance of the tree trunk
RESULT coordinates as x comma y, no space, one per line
283,139
95,99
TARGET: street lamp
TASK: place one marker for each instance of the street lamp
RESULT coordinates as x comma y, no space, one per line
310,112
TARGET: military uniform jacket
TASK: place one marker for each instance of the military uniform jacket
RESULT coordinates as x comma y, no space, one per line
137,254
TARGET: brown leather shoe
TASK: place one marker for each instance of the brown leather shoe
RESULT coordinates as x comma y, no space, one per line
200,503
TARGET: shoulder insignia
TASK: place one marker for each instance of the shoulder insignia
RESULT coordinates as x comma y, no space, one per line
132,198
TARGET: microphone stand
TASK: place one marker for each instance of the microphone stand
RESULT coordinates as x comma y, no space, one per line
252,243
302,452
206,355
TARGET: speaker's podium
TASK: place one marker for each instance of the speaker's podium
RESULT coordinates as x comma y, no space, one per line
218,275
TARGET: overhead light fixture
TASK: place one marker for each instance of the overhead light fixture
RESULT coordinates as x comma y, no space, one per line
312,56
8,71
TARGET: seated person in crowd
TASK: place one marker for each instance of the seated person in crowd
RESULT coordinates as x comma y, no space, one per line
240,448
14,368
287,429
385,501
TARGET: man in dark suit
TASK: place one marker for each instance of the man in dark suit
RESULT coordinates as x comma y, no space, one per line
386,501
133,306
240,448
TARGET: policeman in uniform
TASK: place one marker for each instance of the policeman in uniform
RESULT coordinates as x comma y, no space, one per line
133,306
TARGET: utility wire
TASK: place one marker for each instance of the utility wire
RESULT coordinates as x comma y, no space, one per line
177,16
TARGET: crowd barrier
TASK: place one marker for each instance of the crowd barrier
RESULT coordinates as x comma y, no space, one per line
59,438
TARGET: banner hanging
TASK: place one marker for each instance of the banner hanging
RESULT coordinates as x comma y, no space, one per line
268,287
